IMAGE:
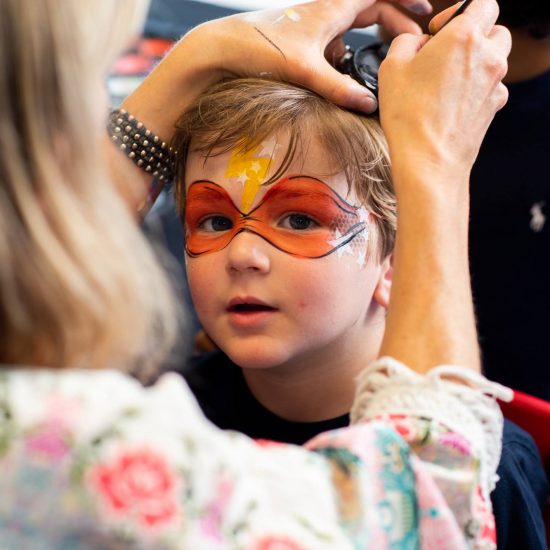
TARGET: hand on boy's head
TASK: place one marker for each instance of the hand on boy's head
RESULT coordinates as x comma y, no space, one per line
442,92
294,44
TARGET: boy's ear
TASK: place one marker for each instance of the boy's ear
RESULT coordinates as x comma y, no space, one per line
383,288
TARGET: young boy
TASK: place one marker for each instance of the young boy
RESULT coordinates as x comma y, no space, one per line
290,221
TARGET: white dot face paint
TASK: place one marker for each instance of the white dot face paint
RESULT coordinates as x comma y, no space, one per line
357,247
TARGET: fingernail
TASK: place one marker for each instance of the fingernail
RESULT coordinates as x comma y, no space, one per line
367,103
420,9
360,98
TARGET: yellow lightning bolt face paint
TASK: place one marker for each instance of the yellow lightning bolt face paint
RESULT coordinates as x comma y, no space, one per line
250,170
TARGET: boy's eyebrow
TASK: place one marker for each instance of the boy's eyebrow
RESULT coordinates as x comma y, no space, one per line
297,190
333,191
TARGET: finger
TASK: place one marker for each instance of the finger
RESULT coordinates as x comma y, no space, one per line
442,18
501,96
342,15
320,77
390,18
500,36
501,44
483,12
420,7
404,47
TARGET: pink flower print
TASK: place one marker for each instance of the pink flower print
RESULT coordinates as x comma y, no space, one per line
484,519
49,441
138,484
268,443
276,542
211,520
456,441
404,426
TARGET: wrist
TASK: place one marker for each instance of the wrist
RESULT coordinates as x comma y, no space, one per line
187,70
424,185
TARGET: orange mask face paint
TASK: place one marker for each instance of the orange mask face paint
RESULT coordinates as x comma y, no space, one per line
299,215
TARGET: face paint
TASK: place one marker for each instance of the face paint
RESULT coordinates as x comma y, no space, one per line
250,170
299,215
357,247
289,13
293,15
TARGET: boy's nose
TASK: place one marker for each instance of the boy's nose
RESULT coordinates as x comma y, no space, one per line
248,252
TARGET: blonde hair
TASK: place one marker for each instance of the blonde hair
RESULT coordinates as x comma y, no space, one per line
257,108
79,286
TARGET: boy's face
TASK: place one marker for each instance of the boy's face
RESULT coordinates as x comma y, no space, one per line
279,273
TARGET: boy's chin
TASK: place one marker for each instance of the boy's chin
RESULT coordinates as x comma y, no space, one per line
256,358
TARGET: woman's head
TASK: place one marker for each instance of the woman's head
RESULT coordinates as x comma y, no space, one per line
74,271
245,112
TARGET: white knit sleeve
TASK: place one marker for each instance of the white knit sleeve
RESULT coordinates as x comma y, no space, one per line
459,398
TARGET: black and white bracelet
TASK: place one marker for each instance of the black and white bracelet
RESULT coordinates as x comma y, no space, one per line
143,147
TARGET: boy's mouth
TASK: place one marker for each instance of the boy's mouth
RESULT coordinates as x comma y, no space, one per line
248,305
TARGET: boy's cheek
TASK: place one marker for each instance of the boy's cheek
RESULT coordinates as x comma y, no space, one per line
198,281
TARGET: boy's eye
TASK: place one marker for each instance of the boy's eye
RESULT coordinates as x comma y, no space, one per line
298,222
216,223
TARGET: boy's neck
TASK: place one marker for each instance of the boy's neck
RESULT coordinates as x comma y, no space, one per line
319,387
529,57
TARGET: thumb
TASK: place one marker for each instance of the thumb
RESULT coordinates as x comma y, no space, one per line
337,87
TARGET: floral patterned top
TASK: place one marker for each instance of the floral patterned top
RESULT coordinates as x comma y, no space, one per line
93,460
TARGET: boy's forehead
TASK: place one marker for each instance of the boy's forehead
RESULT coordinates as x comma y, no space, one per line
243,171
232,163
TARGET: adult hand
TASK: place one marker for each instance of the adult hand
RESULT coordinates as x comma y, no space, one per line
438,95
286,44
297,42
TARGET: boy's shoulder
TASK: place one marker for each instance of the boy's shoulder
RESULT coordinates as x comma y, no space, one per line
521,493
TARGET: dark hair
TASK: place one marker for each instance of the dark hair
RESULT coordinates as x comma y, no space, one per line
530,15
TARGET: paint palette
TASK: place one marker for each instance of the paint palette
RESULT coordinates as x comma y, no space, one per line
363,64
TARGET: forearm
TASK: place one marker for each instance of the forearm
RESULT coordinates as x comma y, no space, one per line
434,132
183,74
430,319
162,97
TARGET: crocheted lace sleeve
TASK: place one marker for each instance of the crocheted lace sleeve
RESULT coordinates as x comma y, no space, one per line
457,398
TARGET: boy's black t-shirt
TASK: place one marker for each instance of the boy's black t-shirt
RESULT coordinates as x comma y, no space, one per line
222,393
518,500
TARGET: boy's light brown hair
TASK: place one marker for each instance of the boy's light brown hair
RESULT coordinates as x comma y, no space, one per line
252,109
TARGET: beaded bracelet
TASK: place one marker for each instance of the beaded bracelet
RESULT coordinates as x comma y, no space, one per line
143,147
